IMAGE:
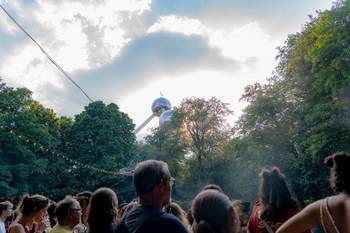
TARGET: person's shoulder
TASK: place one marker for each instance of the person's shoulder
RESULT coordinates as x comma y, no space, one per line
173,223
168,217
59,229
16,228
338,203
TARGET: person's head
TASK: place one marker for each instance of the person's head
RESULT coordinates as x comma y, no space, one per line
213,187
33,207
126,207
51,213
213,212
339,163
152,180
84,199
5,209
68,212
275,194
176,210
242,209
102,209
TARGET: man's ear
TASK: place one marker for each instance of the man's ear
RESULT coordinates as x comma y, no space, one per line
161,186
70,214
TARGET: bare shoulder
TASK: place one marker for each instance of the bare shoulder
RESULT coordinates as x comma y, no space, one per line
339,200
339,206
303,221
313,208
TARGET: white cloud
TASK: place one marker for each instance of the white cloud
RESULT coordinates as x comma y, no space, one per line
77,34
248,43
183,25
29,67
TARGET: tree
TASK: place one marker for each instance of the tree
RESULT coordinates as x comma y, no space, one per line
315,73
302,114
28,132
204,129
103,137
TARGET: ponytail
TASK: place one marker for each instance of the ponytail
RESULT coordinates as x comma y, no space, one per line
202,227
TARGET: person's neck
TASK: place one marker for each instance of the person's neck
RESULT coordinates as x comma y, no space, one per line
26,221
66,224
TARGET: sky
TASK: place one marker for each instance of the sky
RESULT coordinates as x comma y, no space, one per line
129,52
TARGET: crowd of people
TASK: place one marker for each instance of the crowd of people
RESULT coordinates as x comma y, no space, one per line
212,211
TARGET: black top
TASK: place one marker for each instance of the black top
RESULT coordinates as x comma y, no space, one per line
147,219
107,229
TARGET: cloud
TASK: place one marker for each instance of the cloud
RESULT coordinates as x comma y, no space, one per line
276,17
115,49
183,25
140,63
97,51
13,40
251,61
144,58
66,100
13,44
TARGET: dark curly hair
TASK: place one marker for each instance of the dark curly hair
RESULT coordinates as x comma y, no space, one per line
275,194
339,164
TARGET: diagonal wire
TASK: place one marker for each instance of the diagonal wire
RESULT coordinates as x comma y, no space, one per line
47,55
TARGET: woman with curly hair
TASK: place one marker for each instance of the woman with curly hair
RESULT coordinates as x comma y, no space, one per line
31,210
332,213
176,210
276,203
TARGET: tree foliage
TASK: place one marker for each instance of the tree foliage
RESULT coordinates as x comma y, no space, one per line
34,141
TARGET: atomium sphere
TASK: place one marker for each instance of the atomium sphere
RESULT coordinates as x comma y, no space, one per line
166,116
160,105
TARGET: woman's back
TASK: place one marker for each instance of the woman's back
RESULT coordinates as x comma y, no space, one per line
332,213
339,212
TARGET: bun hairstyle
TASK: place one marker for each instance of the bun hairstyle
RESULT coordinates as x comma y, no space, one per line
211,210
275,194
339,163
202,227
32,204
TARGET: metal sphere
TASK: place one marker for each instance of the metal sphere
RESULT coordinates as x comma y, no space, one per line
166,116
160,105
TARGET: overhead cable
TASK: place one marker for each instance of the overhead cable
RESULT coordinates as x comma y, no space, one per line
47,55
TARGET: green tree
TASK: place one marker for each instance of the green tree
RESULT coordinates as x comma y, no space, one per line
302,114
204,130
103,137
28,132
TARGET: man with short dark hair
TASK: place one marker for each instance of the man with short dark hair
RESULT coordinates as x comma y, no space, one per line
5,212
68,213
153,184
